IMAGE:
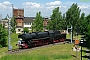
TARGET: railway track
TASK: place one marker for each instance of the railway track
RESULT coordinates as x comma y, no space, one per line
23,50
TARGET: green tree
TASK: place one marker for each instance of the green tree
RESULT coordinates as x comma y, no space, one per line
25,30
3,35
81,23
38,22
64,22
87,31
56,20
72,15
13,24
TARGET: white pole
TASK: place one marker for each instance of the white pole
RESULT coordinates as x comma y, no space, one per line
67,29
71,33
9,31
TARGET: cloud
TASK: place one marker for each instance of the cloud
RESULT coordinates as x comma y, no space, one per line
84,6
5,8
6,3
32,5
54,3
2,6
46,9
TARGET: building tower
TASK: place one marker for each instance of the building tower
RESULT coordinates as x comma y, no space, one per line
18,14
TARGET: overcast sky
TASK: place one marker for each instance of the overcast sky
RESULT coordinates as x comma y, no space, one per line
31,7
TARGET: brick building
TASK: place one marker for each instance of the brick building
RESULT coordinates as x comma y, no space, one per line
45,23
19,16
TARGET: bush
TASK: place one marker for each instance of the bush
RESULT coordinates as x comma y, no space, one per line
25,30
3,35
0,46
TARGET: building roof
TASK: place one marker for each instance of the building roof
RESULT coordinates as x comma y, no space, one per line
4,20
28,19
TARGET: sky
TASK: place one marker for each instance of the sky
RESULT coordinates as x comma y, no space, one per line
31,7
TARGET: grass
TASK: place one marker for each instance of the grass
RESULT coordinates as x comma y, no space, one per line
57,52
74,37
14,39
37,57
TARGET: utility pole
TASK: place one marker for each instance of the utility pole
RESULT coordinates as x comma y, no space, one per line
12,10
9,31
0,17
81,47
71,32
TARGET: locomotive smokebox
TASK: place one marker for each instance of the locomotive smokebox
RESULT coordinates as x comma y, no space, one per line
19,36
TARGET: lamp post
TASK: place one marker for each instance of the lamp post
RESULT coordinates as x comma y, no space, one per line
9,31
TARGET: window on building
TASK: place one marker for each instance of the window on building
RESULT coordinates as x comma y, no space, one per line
19,30
27,23
30,23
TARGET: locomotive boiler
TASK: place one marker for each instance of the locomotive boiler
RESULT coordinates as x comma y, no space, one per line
40,38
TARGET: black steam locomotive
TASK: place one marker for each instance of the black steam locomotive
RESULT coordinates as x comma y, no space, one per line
40,38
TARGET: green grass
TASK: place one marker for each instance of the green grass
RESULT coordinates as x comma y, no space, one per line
74,37
37,57
14,39
57,52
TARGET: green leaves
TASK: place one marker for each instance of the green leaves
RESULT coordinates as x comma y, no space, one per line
73,14
25,30
87,30
3,35
56,20
38,22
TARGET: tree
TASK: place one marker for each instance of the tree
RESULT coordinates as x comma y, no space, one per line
25,30
13,24
38,22
87,31
3,35
82,24
56,20
64,22
72,15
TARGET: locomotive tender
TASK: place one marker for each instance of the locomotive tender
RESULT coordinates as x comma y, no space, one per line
40,38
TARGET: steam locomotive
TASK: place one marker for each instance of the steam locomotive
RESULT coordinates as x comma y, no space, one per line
29,40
